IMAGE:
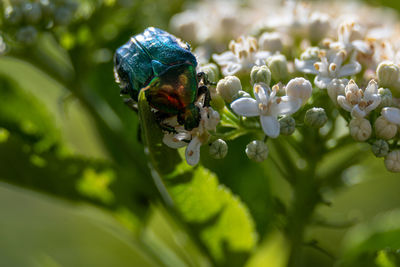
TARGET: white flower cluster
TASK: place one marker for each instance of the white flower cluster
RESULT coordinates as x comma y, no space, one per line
354,56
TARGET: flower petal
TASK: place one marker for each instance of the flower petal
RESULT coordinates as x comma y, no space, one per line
372,89
246,106
261,92
361,46
321,81
192,152
349,69
270,126
224,58
341,100
173,141
376,100
357,112
287,105
231,68
306,66
391,114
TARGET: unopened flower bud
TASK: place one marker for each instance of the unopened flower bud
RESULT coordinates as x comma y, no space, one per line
336,87
211,71
315,117
218,149
385,129
380,148
240,94
392,161
388,74
287,125
27,35
228,87
386,97
278,66
311,53
257,150
319,26
270,41
32,12
299,88
13,15
360,129
260,74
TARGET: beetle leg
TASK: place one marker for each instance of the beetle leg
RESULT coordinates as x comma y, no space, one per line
203,90
160,117
202,76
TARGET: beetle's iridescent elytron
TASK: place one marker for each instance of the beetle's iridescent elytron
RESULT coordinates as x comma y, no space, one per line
163,66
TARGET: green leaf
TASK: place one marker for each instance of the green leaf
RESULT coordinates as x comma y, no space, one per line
216,217
374,241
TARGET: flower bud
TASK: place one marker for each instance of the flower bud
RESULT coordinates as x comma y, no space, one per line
360,129
315,117
388,74
260,74
270,41
319,26
257,150
212,72
287,125
228,87
32,12
386,97
380,148
278,66
311,53
392,161
13,15
27,35
299,88
385,129
218,149
336,87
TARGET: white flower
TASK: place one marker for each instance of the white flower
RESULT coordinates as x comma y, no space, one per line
268,106
360,129
320,25
271,41
329,67
300,88
349,35
243,55
360,102
392,161
195,138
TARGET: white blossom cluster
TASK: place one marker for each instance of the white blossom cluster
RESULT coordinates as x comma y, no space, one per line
348,51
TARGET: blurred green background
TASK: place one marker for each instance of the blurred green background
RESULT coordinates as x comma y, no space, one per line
75,187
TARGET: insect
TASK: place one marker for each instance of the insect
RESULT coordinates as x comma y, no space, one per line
163,66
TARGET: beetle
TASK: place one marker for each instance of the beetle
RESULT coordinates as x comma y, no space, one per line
164,66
